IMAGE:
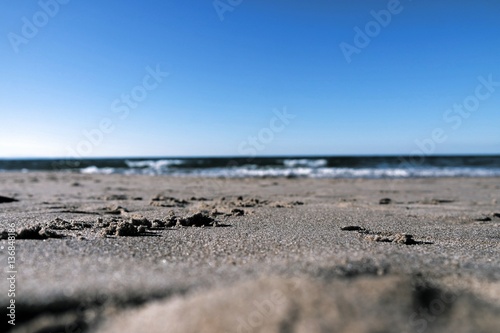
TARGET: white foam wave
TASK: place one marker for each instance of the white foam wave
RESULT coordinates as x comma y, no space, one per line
312,163
298,171
154,164
95,170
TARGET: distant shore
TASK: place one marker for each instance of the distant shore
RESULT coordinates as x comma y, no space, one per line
129,253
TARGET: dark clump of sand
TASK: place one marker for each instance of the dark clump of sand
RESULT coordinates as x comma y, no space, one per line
36,232
393,238
125,225
387,237
197,220
61,224
121,228
288,255
165,201
139,225
48,229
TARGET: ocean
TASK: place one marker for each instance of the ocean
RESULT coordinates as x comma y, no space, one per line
290,166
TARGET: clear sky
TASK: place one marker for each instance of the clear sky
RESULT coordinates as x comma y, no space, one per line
181,78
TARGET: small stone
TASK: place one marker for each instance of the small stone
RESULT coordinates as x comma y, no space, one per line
352,228
385,201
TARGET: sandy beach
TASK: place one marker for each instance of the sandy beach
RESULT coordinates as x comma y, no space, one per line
116,253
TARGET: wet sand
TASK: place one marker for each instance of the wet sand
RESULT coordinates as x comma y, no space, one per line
114,253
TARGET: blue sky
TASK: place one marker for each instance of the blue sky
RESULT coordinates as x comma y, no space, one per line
67,68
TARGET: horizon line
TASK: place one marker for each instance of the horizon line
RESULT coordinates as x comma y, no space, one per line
245,157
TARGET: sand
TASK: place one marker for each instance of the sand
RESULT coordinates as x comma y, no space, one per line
115,253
